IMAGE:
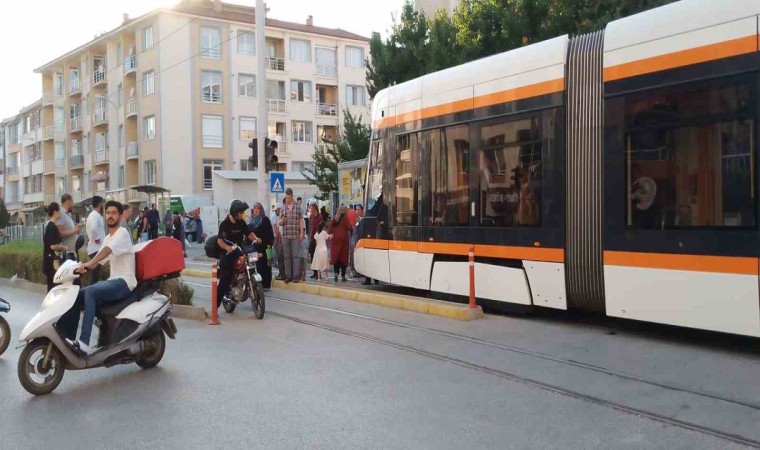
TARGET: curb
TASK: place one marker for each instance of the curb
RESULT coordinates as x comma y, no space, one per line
423,306
195,273
178,311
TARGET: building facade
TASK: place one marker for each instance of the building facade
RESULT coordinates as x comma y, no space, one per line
170,97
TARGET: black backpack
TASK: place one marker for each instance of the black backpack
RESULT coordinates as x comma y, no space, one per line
212,247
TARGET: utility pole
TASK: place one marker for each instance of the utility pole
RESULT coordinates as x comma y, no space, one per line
262,121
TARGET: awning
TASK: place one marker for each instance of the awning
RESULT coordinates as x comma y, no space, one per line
150,189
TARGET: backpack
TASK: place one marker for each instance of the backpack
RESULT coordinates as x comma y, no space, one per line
212,248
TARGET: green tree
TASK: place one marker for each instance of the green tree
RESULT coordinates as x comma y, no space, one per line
351,144
5,216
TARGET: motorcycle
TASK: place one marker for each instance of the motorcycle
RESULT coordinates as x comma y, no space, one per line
246,282
130,330
5,329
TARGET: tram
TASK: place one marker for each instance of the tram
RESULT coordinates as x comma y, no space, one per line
614,171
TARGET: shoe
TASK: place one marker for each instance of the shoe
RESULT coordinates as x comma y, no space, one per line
80,346
343,279
377,282
313,276
289,280
336,278
279,278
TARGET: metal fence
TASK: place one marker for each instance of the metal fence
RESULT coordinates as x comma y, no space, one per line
21,233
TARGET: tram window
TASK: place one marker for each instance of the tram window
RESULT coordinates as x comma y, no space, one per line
510,173
375,173
406,179
450,176
691,160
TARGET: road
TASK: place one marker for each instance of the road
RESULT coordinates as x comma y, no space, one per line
325,373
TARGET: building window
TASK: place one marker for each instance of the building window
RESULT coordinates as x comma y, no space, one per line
247,128
147,38
149,83
301,131
355,57
247,85
60,118
246,42
277,132
690,154
209,166
150,172
58,86
275,90
211,43
121,136
510,172
211,87
119,56
355,96
101,143
149,127
301,166
327,59
300,50
212,131
120,91
121,176
300,91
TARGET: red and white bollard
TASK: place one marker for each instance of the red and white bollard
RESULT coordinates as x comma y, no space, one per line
472,277
214,317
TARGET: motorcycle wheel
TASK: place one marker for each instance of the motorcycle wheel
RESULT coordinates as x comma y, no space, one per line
229,307
33,377
258,301
5,335
155,353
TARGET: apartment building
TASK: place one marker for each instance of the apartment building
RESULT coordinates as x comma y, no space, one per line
12,131
171,96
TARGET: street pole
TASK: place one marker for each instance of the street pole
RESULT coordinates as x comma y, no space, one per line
262,122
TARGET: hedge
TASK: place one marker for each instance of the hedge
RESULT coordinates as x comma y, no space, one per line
24,259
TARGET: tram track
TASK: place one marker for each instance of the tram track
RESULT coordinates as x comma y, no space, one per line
518,378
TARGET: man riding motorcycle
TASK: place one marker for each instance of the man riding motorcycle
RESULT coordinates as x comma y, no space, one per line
232,231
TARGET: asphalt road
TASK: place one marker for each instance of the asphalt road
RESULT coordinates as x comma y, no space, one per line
326,373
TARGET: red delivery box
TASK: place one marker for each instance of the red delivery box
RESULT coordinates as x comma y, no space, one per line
159,257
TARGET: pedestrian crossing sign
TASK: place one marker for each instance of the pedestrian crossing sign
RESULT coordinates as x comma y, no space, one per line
277,182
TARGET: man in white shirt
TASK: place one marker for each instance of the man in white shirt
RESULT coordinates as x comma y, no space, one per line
116,249
95,233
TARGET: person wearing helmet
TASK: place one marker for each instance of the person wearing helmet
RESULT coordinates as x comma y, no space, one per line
232,231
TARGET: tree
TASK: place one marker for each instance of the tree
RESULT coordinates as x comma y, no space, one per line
351,144
5,216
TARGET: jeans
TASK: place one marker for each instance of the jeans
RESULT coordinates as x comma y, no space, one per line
109,291
292,261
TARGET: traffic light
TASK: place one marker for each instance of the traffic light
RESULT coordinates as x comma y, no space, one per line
270,157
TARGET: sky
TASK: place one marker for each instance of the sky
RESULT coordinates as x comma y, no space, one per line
38,31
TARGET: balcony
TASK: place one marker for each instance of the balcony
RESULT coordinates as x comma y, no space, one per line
211,97
34,197
50,198
75,125
327,109
11,171
282,148
100,117
133,151
75,87
327,70
76,161
60,163
132,108
276,105
98,77
101,157
48,133
49,167
48,97
130,65
277,64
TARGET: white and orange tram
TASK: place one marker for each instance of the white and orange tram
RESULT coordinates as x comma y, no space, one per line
614,171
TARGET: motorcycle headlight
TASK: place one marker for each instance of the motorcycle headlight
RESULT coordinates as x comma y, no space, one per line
253,258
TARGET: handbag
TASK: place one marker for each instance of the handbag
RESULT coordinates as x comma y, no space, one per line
269,252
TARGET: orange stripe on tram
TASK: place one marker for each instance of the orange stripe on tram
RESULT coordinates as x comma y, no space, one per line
688,57
482,251
694,263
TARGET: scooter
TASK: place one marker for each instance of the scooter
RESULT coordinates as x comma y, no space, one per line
246,282
5,329
131,330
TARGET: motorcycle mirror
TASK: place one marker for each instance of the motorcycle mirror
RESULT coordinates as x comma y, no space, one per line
79,243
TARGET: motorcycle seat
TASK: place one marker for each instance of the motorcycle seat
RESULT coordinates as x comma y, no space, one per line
113,309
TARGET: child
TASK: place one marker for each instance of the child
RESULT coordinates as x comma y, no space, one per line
320,261
303,254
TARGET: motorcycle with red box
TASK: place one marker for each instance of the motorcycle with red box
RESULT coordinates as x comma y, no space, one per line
131,330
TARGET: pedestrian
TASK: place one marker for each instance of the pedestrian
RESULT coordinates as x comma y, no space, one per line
96,233
278,244
319,262
177,231
69,231
339,231
199,235
189,223
153,220
51,242
261,226
143,229
125,222
168,221
292,235
315,219
325,215
303,254
351,216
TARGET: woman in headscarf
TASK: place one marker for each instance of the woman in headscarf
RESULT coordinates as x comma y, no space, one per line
340,229
261,226
51,241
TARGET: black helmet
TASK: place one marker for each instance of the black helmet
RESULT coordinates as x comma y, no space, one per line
237,207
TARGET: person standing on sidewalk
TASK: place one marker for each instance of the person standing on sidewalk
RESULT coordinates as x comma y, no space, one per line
96,233
51,244
153,219
340,230
277,228
69,231
315,219
292,235
126,217
168,224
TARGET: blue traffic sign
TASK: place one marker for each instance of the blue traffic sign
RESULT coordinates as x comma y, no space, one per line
277,182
